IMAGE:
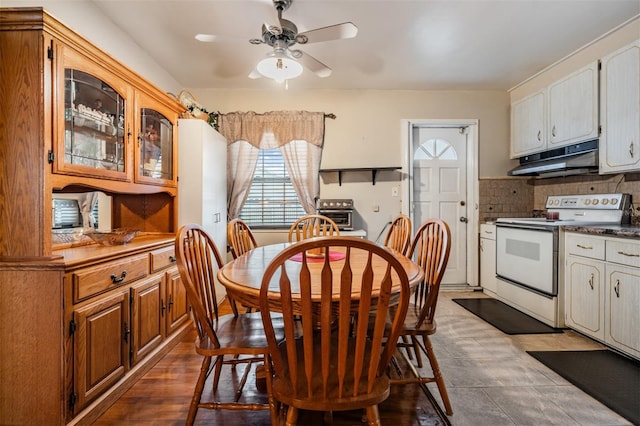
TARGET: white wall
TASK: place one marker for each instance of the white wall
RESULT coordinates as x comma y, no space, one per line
366,133
85,18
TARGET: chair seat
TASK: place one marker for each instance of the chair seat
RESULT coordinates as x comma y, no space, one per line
245,331
283,390
412,318
426,328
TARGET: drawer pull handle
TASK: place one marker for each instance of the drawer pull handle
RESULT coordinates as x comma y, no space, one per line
591,282
584,247
118,279
488,232
616,288
629,254
172,259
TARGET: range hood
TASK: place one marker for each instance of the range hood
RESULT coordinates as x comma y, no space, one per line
578,159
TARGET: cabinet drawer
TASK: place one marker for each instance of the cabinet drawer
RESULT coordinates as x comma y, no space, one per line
584,245
623,252
487,231
91,281
162,258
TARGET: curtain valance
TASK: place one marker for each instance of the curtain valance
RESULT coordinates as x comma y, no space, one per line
273,129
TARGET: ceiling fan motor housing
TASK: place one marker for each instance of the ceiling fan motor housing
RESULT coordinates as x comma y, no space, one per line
288,35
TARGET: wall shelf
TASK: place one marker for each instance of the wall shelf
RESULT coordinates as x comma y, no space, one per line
373,170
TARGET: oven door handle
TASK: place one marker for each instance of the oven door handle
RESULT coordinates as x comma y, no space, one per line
548,228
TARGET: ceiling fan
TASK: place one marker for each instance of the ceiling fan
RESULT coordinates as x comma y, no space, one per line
284,63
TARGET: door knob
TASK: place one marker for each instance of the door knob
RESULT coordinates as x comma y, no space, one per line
463,219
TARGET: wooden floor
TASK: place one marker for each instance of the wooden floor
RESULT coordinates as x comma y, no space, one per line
163,395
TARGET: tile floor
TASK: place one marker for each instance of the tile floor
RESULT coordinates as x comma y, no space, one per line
491,380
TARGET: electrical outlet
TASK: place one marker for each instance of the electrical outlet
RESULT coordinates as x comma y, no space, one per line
375,208
394,191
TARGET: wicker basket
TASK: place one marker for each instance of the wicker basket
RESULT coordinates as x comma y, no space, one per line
187,99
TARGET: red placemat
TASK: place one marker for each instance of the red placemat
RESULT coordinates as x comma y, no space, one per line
333,255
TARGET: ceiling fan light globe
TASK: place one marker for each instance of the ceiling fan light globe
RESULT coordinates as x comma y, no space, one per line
279,68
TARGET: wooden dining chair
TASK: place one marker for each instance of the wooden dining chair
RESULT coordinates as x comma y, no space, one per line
430,249
239,338
399,235
312,225
338,363
240,238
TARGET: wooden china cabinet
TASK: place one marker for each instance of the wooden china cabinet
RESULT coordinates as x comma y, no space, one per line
80,322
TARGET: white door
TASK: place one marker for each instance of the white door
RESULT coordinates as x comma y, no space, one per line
438,188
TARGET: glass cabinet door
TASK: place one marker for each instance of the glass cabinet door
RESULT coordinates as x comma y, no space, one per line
156,145
155,153
94,127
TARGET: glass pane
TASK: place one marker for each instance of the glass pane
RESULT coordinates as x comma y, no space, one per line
435,148
156,145
94,122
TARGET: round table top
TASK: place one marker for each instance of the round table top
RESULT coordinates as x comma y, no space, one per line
242,277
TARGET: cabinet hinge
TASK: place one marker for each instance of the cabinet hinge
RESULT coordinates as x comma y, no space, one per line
72,400
51,157
50,51
72,327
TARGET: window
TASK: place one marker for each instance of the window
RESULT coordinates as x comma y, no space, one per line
272,201
435,149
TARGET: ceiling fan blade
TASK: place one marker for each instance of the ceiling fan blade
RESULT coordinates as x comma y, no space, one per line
332,32
255,74
217,38
314,65
271,17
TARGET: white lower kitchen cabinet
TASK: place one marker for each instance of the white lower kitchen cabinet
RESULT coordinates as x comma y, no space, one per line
602,289
488,258
584,290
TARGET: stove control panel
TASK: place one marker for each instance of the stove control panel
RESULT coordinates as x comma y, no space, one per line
334,204
589,202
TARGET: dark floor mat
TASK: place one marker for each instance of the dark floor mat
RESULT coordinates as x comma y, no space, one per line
610,378
504,317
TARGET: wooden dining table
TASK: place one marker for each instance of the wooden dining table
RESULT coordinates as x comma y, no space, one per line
242,277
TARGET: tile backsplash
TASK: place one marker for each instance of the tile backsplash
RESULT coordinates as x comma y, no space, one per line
520,197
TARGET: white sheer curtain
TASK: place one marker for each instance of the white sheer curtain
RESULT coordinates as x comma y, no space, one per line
299,135
87,202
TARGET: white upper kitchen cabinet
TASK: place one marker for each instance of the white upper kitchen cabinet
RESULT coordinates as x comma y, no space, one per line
202,181
528,130
573,108
620,110
564,113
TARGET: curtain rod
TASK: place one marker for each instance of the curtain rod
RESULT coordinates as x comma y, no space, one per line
330,115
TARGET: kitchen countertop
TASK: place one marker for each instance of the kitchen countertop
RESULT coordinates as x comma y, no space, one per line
628,231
